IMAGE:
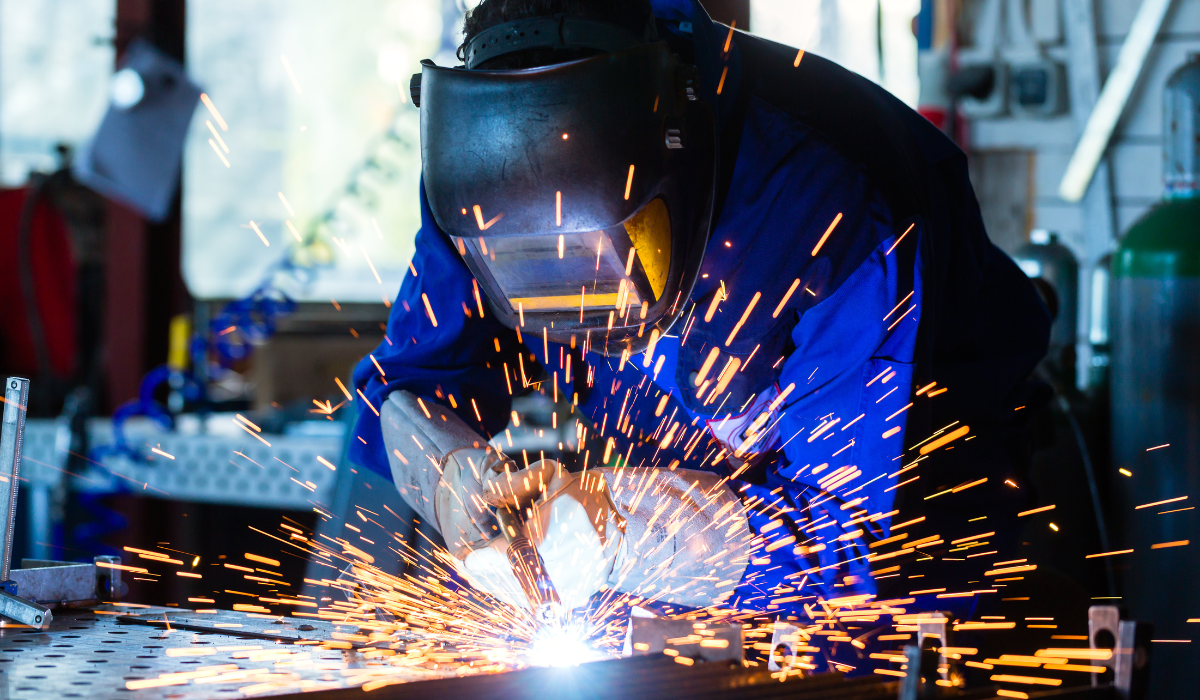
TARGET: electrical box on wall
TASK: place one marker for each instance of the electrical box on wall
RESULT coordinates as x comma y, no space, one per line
1037,88
981,87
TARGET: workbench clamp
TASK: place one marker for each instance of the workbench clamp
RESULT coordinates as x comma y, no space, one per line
1129,641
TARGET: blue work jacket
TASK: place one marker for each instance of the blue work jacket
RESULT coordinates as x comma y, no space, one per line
847,270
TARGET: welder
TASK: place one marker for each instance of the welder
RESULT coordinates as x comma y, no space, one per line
761,282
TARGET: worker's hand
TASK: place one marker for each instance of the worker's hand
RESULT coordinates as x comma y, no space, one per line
571,520
450,475
436,462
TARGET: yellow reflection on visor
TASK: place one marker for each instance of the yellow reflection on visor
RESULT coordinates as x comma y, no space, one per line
650,232
567,302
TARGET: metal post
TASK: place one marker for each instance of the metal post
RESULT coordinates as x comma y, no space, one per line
12,435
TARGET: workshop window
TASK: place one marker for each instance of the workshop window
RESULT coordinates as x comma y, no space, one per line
56,57
873,38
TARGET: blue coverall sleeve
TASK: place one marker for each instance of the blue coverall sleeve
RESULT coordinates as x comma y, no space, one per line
443,342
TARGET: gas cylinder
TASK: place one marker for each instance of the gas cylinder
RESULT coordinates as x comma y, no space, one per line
1155,384
1052,264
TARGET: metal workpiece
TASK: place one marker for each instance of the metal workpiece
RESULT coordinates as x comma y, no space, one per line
23,612
57,583
691,639
291,633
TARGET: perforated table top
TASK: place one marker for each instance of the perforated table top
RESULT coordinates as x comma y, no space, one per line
93,653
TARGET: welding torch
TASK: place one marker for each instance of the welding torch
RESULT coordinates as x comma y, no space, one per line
526,562
528,566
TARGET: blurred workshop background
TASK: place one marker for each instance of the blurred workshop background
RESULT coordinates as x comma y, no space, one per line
208,206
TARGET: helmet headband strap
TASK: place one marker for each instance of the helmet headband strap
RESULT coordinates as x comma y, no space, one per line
557,32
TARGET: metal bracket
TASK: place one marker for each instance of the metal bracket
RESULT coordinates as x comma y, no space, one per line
789,650
934,634
922,671
1130,644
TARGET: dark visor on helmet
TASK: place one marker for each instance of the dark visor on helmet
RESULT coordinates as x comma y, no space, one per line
613,270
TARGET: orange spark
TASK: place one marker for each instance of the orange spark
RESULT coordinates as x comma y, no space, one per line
828,231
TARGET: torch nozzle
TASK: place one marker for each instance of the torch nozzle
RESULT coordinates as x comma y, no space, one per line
531,574
529,569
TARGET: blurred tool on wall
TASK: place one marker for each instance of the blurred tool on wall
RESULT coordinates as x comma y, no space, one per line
134,156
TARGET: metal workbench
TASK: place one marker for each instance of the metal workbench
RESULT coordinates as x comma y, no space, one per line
95,653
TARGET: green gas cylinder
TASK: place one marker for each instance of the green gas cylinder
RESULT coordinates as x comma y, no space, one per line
1155,382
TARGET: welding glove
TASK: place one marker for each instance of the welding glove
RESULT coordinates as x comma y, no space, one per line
436,461
451,476
676,536
570,519
687,539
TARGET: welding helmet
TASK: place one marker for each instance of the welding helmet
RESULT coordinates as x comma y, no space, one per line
579,194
